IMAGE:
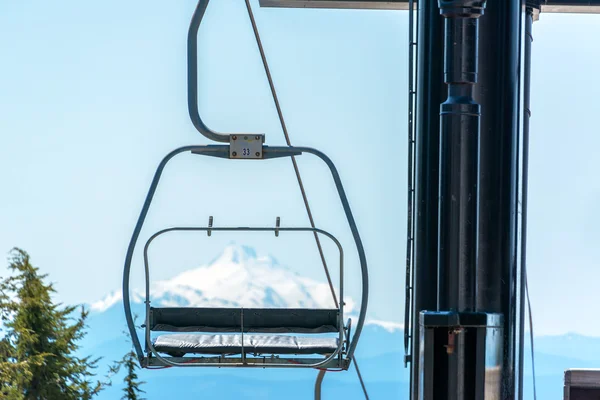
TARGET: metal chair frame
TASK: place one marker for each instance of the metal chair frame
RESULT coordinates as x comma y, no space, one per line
334,360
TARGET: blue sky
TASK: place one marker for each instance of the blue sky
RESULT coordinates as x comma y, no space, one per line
94,95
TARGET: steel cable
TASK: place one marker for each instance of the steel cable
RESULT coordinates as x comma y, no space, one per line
531,339
297,172
289,143
528,40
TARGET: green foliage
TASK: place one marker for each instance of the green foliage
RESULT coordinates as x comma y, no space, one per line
133,385
40,339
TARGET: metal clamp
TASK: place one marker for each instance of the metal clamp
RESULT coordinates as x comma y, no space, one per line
277,225
210,225
246,146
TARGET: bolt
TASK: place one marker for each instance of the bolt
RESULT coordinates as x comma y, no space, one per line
234,153
234,137
257,154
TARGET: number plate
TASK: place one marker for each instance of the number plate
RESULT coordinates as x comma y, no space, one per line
246,146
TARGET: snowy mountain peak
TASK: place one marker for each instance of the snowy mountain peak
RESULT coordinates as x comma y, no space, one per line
235,254
238,277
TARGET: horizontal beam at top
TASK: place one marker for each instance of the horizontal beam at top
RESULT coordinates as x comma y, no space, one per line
571,9
548,6
347,4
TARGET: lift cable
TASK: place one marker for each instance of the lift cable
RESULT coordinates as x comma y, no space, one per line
362,383
289,143
531,338
528,40
297,171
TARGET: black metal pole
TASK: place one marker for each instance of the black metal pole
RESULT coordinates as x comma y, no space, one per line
430,93
459,158
532,7
458,202
498,93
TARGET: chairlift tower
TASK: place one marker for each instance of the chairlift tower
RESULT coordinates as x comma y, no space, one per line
469,128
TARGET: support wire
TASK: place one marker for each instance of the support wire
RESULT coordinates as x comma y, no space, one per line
531,339
289,143
300,183
528,41
362,383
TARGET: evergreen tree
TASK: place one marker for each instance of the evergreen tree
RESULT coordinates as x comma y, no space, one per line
8,372
132,384
37,351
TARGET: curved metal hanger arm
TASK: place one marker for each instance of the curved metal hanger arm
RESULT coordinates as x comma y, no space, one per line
192,67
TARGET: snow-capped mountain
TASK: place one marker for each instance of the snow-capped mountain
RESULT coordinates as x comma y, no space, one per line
241,277
238,277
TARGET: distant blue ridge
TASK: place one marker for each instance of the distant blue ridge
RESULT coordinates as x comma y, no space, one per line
380,355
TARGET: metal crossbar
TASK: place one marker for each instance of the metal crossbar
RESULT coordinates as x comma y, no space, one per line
258,362
546,6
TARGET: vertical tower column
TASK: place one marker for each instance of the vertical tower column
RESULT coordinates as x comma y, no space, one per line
490,287
497,91
461,349
459,158
431,92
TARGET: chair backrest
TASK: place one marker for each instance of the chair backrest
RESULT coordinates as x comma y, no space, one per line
266,320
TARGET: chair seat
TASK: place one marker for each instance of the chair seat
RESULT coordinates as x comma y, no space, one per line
178,345
232,320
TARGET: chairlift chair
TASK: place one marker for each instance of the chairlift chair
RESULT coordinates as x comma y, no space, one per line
242,337
227,337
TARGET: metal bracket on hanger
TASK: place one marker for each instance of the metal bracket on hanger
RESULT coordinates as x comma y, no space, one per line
277,225
210,225
246,146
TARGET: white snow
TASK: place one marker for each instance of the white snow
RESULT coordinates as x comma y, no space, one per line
239,277
387,325
111,299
